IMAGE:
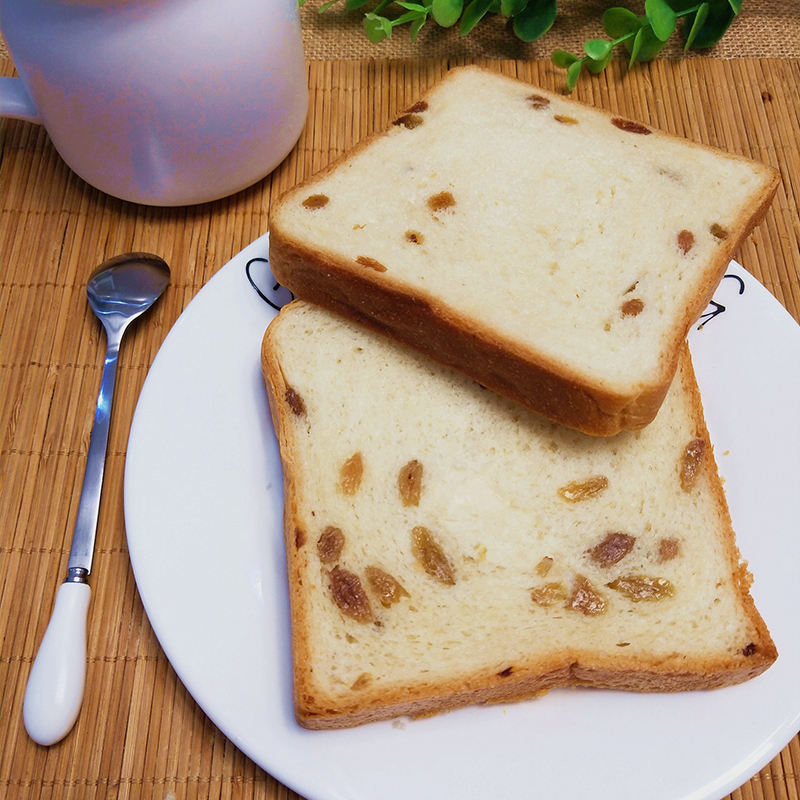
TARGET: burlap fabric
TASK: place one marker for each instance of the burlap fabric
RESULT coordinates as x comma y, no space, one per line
764,29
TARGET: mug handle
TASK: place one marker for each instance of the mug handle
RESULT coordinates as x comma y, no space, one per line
15,102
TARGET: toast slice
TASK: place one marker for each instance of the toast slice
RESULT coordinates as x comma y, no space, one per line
446,546
552,251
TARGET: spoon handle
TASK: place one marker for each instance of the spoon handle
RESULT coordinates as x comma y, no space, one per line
55,687
82,550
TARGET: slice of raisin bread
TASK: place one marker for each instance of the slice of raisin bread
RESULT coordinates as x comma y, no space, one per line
446,546
553,252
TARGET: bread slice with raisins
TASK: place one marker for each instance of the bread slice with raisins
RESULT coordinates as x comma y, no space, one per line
554,252
446,546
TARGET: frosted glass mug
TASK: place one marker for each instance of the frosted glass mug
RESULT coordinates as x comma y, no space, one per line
162,102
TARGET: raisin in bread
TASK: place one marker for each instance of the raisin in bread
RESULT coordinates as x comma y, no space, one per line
551,251
446,546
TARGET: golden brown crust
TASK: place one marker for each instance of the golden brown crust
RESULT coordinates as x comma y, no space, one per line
295,538
767,651
540,384
545,385
494,689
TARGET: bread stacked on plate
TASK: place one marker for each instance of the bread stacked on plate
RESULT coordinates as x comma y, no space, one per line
498,478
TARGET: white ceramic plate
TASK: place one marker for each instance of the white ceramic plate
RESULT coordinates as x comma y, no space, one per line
203,505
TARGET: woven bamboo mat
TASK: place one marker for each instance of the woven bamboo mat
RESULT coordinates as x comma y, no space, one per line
140,734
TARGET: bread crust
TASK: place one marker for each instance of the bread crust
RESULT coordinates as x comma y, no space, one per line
570,675
546,385
541,384
564,667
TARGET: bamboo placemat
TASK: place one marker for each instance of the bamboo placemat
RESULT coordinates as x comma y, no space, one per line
140,734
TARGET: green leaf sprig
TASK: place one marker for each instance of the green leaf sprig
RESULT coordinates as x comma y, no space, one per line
529,19
644,36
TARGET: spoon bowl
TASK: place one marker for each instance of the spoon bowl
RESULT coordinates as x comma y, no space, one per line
127,284
119,290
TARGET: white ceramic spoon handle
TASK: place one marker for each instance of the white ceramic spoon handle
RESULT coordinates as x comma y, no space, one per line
55,686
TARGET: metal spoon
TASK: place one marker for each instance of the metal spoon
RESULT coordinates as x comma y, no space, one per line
120,290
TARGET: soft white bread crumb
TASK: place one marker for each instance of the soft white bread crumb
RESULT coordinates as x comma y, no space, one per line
492,477
552,251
